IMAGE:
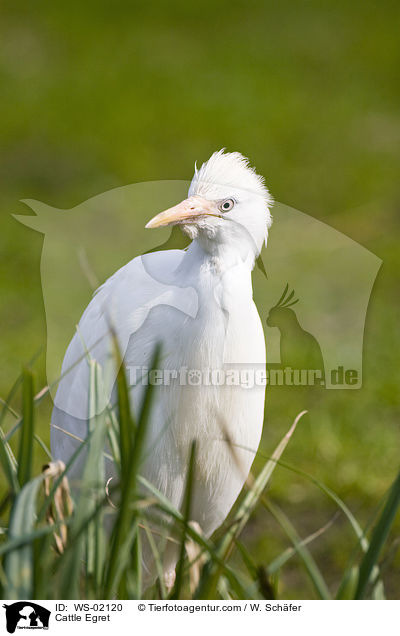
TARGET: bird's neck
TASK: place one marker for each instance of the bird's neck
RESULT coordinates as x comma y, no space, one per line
217,255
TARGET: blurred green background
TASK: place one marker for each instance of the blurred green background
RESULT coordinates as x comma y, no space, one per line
97,95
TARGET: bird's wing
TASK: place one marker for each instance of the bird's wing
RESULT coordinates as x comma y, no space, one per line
122,304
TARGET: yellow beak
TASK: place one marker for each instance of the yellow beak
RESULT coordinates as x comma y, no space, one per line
187,211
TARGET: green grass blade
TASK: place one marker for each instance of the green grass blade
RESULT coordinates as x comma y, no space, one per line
258,573
43,446
91,492
95,533
123,537
137,567
339,502
156,556
56,483
311,567
25,456
186,518
14,388
359,532
378,538
250,501
287,554
348,584
125,419
208,582
114,438
165,506
8,466
5,402
248,560
19,561
22,540
130,585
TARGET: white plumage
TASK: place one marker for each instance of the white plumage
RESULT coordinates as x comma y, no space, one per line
198,305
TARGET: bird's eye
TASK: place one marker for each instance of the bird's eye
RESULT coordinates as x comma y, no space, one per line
227,205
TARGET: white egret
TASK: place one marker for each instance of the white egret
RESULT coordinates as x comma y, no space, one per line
197,303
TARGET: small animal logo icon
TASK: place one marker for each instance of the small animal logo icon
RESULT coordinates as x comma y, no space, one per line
299,349
26,615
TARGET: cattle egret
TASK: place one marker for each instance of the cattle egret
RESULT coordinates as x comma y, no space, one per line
198,305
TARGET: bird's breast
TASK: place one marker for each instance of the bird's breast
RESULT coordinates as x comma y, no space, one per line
221,351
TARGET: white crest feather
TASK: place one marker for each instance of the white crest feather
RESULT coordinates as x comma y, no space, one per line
228,169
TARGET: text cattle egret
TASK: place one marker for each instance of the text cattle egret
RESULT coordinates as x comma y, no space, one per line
197,305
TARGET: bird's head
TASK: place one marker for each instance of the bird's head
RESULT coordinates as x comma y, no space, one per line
227,205
280,313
